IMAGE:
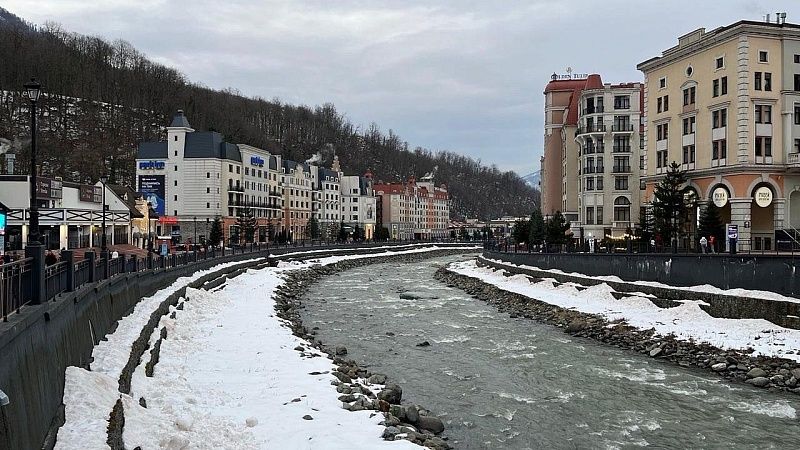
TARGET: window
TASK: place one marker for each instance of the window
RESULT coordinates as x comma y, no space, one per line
797,145
622,102
797,59
724,85
720,62
176,152
622,209
589,215
622,164
176,167
688,154
689,125
688,96
662,83
238,170
767,81
208,174
621,183
176,198
797,82
230,168
719,118
666,103
208,205
797,113
662,131
599,215
719,149
599,184
660,103
715,88
641,162
590,184
763,146
757,81
763,114
762,56
175,182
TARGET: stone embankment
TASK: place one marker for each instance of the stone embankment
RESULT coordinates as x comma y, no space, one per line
361,389
765,372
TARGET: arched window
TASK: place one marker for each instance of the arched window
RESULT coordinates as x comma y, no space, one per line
622,209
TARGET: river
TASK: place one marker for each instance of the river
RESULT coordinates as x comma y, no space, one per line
499,382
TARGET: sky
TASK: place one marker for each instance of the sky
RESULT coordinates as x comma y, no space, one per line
459,75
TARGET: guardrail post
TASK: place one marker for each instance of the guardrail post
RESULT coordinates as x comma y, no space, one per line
37,272
149,264
134,262
68,256
92,257
122,262
104,260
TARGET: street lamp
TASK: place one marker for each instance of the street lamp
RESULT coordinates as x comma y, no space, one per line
33,89
104,180
194,242
149,237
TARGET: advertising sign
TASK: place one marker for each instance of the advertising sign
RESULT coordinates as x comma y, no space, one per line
151,165
2,232
257,161
152,186
47,188
92,194
733,231
720,197
763,196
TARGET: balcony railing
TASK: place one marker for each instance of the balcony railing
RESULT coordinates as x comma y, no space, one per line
622,149
588,169
592,110
793,159
236,188
595,128
622,127
621,169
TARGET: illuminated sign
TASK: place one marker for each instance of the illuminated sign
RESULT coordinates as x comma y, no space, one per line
257,161
763,196
720,197
2,222
151,165
168,220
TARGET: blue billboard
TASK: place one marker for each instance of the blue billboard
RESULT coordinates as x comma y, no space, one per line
152,186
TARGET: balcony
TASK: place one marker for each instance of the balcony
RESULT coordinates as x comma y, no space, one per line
793,160
592,110
621,149
622,128
588,170
237,189
621,169
595,128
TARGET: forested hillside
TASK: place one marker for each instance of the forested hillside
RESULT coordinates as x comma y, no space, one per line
102,98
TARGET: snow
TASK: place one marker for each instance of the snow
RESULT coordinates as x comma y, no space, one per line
227,377
707,288
686,321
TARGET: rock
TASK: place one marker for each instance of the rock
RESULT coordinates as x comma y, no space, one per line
796,373
299,348
756,372
389,333
347,398
390,432
575,326
412,414
758,381
341,350
307,417
343,377
655,352
251,422
436,443
392,394
417,296
791,382
377,379
391,421
397,411
719,367
430,423
424,344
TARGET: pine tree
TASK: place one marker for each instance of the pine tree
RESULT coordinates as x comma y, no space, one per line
342,233
463,234
556,229
521,230
711,223
247,224
669,204
312,229
215,235
537,229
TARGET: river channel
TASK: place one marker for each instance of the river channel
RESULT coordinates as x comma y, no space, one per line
499,382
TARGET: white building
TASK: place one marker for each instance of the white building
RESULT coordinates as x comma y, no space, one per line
358,203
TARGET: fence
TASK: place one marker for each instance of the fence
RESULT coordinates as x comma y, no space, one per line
15,284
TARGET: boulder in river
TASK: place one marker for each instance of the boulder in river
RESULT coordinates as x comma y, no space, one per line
756,372
390,432
392,394
410,295
430,423
341,350
719,367
758,381
424,344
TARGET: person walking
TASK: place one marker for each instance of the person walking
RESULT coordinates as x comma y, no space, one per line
711,241
704,244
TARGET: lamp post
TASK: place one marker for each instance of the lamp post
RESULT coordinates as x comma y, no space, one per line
33,89
194,242
149,237
103,247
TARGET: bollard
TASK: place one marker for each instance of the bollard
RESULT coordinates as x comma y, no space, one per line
149,262
134,264
68,256
104,261
37,272
92,257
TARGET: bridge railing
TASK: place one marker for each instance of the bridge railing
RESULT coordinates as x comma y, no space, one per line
15,282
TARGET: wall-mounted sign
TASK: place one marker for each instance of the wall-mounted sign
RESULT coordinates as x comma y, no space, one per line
733,231
169,220
763,196
152,186
257,161
92,194
720,197
47,188
151,165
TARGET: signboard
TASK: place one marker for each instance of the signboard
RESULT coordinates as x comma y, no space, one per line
151,165
733,231
92,194
2,232
168,220
47,188
152,186
720,197
257,161
763,196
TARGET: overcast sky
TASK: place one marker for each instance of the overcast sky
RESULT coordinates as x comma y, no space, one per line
453,75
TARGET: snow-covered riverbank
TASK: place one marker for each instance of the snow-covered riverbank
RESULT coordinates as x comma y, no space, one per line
228,376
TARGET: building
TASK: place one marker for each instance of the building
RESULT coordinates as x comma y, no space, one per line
413,210
609,155
592,149
297,199
725,105
358,203
70,214
327,197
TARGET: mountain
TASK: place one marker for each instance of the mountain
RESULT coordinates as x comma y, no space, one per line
532,179
102,98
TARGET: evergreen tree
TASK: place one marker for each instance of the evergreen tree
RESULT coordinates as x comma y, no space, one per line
463,234
342,233
271,232
556,229
215,235
521,231
645,228
476,235
669,204
537,228
312,229
247,224
358,233
711,223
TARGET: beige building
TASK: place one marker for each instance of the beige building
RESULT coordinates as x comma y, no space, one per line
413,210
609,137
297,199
725,105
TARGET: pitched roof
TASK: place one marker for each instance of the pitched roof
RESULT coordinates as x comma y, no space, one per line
180,120
152,150
128,196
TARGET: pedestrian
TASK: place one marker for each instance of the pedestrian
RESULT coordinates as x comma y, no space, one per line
50,258
704,244
712,243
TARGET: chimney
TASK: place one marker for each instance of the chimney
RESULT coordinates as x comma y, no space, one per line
10,163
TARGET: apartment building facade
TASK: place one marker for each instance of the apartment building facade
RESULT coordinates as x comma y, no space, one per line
725,105
414,210
359,203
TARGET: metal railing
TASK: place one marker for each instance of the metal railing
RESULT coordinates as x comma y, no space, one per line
55,279
622,127
15,286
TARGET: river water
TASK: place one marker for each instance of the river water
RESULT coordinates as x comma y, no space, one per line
499,382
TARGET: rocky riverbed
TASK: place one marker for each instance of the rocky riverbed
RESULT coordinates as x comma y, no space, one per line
764,372
361,389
